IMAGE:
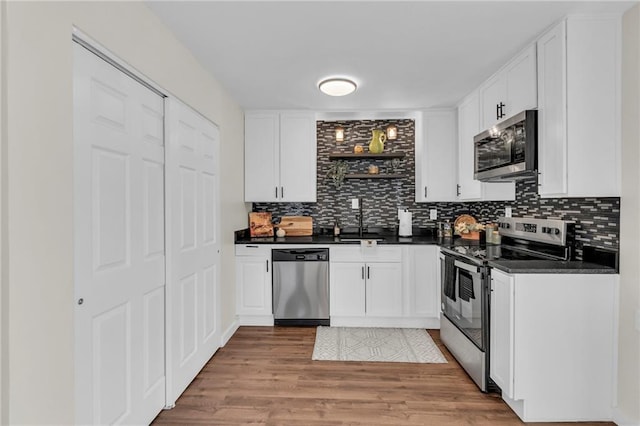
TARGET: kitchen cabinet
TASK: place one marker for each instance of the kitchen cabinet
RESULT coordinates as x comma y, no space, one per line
579,138
511,90
253,284
364,282
280,156
436,156
422,286
469,189
552,339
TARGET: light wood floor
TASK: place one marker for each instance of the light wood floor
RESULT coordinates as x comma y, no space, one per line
265,376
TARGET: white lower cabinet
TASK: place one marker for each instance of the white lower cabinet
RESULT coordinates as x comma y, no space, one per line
365,285
383,286
384,289
553,345
253,285
422,286
347,289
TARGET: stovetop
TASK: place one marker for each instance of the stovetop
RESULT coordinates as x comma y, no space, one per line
487,253
523,239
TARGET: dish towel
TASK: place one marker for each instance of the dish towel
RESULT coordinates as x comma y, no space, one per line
466,287
450,277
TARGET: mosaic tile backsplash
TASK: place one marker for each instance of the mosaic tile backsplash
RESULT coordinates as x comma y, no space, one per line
597,219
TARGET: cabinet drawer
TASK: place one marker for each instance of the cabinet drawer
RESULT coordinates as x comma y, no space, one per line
253,250
379,253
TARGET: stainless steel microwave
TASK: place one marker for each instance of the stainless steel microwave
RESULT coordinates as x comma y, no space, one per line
508,151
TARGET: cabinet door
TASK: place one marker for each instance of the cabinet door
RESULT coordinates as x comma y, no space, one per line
436,161
468,127
253,277
297,157
261,157
492,93
424,288
552,118
521,84
347,289
501,331
384,289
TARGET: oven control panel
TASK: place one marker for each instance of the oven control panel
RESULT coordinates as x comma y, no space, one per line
551,231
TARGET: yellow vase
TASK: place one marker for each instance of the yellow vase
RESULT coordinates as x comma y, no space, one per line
376,146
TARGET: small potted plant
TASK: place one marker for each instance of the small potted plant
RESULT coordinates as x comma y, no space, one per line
337,171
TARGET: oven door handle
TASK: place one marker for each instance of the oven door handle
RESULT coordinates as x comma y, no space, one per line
469,268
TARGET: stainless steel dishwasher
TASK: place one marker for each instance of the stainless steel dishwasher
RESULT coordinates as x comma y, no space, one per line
301,286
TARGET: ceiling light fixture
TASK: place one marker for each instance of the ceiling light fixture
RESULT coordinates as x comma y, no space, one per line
337,86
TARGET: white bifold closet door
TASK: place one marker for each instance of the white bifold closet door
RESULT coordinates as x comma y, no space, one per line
119,245
193,245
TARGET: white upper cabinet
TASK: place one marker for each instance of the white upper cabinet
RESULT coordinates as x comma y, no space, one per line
579,108
468,127
436,156
280,156
511,90
469,189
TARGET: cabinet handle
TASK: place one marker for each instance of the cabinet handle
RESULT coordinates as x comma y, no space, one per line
497,111
276,192
458,190
282,192
267,265
425,192
252,246
501,110
368,272
363,272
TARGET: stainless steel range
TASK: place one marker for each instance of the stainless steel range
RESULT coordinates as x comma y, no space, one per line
465,274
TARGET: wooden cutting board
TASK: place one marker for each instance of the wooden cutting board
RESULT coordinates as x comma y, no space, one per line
260,224
297,226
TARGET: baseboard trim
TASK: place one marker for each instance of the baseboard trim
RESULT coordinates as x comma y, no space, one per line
226,335
621,419
400,322
257,320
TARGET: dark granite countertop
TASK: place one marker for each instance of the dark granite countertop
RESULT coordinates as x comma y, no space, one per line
384,236
550,267
426,237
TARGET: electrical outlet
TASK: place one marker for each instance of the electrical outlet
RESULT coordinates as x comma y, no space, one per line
433,214
638,320
507,211
354,203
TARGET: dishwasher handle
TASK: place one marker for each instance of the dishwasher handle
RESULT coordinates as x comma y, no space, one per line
300,255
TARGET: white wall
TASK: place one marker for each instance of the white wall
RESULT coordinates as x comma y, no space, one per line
628,410
4,300
40,153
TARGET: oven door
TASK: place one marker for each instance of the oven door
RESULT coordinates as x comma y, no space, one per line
463,298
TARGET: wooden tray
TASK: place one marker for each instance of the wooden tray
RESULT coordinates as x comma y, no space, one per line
467,220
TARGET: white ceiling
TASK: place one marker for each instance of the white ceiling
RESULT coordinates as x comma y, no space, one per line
403,55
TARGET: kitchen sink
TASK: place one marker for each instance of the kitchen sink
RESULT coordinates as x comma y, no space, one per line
360,239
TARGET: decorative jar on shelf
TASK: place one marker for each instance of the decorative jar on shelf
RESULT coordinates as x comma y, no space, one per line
376,146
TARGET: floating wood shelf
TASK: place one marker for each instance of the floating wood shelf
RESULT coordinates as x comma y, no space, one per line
372,176
351,155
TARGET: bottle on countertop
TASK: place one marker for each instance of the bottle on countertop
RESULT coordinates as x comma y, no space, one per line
336,228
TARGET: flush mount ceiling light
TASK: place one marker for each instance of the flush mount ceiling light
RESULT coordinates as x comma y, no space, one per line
337,86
